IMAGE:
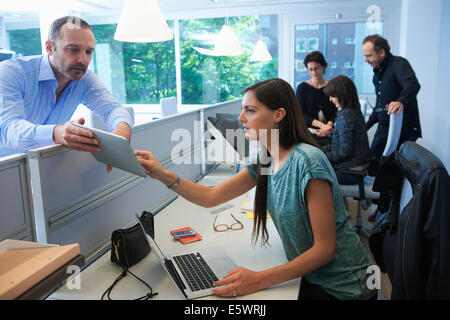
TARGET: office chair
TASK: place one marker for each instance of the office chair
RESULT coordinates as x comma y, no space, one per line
362,192
363,104
168,106
410,239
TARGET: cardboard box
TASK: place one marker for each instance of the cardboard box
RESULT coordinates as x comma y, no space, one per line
23,264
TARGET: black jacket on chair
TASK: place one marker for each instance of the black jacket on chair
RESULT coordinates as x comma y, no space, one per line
413,246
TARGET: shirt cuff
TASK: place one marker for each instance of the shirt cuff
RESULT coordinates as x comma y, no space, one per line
119,120
44,135
120,115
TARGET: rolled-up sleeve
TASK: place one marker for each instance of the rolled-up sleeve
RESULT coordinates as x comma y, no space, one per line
15,131
102,103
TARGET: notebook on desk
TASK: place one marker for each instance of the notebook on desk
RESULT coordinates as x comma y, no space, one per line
193,272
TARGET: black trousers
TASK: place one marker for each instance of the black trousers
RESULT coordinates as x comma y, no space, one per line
309,291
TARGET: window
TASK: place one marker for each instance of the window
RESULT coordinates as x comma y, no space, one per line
26,42
135,73
350,40
143,73
345,59
348,64
313,44
299,66
301,27
209,79
313,26
300,45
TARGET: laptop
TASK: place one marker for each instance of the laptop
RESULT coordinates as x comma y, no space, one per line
193,272
116,151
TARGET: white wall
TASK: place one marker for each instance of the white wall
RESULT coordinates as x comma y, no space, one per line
422,42
441,132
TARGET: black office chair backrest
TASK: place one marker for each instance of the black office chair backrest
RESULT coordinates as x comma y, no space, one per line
412,243
226,121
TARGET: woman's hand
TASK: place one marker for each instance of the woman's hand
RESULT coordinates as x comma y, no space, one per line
326,129
153,168
238,282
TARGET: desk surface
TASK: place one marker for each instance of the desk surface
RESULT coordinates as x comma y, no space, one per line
97,277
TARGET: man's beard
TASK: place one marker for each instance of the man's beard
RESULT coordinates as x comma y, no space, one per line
76,71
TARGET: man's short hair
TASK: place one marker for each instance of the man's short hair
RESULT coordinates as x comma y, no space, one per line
55,27
378,43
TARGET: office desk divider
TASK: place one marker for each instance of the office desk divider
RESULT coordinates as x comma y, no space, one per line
77,201
16,218
230,107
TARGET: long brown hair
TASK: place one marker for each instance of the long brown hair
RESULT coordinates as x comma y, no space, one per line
344,90
274,94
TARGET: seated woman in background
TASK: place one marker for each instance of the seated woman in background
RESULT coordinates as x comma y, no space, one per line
299,190
350,144
318,111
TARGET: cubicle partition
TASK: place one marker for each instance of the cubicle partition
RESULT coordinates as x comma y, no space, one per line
231,107
76,200
16,206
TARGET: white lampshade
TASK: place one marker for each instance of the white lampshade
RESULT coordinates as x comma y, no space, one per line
208,52
142,21
226,44
260,53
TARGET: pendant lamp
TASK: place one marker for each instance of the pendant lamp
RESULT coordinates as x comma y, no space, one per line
225,44
260,52
142,21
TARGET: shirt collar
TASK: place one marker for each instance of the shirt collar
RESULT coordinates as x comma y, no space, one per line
383,63
45,70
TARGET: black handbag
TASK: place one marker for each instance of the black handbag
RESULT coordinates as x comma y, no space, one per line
128,247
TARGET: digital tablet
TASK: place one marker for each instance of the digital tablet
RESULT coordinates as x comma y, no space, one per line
116,151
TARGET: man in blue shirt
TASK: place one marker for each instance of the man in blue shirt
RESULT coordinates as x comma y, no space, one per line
39,94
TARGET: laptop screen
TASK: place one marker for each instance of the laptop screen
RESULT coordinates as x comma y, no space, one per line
151,242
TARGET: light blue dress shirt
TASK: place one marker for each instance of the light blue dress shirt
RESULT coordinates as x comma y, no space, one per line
28,112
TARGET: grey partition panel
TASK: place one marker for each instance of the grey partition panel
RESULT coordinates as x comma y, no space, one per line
168,135
16,207
93,231
233,107
76,200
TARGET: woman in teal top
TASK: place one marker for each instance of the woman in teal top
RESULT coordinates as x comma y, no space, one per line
300,191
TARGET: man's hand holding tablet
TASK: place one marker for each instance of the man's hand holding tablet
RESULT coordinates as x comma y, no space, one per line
114,148
75,137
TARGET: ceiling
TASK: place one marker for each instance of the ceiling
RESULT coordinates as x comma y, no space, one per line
25,10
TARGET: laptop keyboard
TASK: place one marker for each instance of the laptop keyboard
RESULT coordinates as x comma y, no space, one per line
196,271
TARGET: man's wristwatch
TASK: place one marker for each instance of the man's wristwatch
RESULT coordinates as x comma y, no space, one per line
175,184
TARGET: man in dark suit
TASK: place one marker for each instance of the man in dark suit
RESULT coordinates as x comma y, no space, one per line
396,87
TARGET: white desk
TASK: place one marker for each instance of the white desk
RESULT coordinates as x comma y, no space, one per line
97,277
